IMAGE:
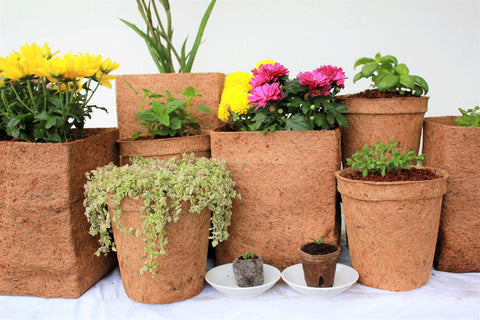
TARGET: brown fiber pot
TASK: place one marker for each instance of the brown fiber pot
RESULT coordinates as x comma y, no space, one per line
163,149
392,229
456,149
45,247
382,119
287,183
319,269
181,272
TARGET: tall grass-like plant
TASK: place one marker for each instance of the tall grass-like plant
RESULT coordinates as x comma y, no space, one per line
159,36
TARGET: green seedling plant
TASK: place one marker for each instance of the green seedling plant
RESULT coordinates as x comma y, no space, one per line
389,75
159,36
248,255
470,117
382,158
170,117
318,241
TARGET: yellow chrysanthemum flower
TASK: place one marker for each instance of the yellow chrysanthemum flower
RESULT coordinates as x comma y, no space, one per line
263,62
53,68
104,79
237,99
86,65
108,65
223,112
239,78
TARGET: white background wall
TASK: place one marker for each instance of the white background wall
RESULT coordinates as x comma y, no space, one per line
437,39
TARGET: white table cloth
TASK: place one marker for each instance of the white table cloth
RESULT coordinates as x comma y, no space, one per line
445,296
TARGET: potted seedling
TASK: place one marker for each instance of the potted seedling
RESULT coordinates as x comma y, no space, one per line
248,270
169,128
319,262
452,143
160,212
174,66
393,109
392,212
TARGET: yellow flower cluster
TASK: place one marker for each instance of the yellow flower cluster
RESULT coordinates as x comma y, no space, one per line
34,61
235,93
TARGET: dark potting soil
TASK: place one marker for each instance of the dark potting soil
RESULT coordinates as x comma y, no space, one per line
318,249
374,93
414,174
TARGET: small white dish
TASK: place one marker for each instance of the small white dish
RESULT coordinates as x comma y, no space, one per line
345,277
221,278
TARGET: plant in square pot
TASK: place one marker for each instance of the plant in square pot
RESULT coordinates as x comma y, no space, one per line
170,128
160,212
319,262
282,145
392,213
248,270
45,152
394,109
159,39
452,143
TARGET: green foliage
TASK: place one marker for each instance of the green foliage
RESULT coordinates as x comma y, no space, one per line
388,75
248,256
30,110
383,158
470,117
318,241
164,186
169,118
300,111
159,37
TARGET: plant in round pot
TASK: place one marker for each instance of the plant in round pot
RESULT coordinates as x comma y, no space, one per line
45,152
394,109
392,213
160,212
286,132
166,118
248,270
451,143
159,39
319,262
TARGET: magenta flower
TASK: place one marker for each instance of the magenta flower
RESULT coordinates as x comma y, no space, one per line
336,75
318,82
267,73
263,94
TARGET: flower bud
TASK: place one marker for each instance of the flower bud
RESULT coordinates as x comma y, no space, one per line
312,107
280,111
312,118
271,108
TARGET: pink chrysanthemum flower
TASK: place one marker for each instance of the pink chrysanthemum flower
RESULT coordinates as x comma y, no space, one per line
267,73
336,75
318,82
265,93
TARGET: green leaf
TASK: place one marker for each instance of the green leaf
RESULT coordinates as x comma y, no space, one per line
146,116
164,119
362,61
357,77
407,81
369,68
50,122
388,82
422,83
297,122
136,135
174,105
175,124
204,109
388,59
158,107
402,69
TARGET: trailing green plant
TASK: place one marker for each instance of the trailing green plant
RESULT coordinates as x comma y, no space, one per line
470,117
389,75
248,255
164,186
382,158
159,36
318,241
170,117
